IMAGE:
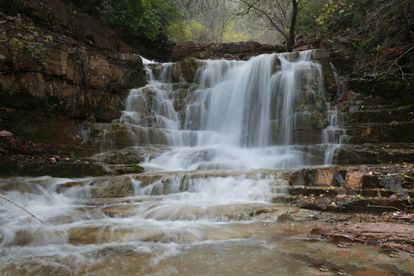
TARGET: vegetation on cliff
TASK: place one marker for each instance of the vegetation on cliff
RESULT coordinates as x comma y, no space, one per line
377,35
144,18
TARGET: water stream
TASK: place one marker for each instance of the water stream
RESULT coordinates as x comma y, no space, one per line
206,206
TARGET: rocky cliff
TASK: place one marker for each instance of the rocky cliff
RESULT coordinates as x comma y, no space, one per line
56,60
58,68
57,64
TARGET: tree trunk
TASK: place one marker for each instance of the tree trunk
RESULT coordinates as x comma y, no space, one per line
292,32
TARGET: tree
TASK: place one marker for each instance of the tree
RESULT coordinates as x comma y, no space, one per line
214,15
281,15
142,18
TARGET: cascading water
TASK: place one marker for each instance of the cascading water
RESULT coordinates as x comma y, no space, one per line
334,135
241,115
233,126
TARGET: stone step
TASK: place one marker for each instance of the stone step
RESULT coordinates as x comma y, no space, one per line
333,192
371,103
375,154
394,132
354,204
196,224
394,177
379,116
164,183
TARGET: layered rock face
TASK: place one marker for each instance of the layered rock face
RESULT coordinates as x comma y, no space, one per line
76,68
379,131
58,68
236,50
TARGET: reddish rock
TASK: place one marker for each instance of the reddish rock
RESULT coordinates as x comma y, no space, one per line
320,177
323,177
354,180
58,70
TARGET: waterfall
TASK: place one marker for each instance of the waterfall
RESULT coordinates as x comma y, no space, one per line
237,114
334,135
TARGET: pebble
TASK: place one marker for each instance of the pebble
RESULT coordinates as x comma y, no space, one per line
394,255
5,133
323,269
341,272
343,245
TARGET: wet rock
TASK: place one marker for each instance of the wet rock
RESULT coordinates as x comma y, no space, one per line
22,238
119,211
104,187
120,169
133,155
286,217
116,136
5,134
189,68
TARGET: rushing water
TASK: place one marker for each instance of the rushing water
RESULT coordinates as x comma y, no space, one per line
334,135
226,134
237,115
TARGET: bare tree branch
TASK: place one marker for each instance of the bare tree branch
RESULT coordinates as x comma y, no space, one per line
20,207
254,6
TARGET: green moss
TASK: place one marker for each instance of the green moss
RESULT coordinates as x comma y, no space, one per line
135,168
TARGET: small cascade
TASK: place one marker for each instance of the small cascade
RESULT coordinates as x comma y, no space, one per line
152,107
339,83
333,135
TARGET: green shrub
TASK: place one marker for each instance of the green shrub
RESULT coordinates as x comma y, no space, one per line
142,18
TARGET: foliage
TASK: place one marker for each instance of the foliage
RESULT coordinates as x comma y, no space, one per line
375,23
377,34
365,26
232,35
204,20
310,10
190,30
144,18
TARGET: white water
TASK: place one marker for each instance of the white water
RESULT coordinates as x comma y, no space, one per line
238,115
161,219
334,135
